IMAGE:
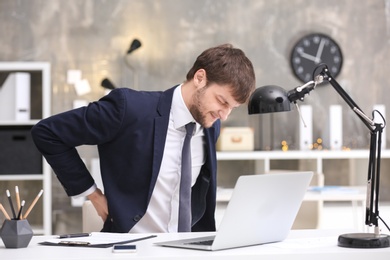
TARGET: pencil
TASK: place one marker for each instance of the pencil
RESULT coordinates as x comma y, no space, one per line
4,212
20,210
17,198
33,204
10,203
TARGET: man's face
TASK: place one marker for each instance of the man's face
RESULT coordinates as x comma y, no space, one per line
211,103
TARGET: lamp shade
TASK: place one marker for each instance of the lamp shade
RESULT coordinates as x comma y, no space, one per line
269,99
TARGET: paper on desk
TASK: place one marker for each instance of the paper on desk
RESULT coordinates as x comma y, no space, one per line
98,238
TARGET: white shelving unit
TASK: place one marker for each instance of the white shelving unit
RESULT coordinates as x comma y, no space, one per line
263,159
316,159
43,70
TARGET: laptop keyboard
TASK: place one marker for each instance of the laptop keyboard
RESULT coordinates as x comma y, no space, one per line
204,242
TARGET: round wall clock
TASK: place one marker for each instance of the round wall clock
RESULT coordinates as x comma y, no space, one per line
310,51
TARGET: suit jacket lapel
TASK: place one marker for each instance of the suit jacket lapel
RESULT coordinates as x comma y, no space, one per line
160,132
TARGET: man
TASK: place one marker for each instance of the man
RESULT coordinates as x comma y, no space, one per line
140,135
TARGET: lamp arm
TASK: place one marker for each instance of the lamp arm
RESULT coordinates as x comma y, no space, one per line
325,74
372,212
373,178
299,93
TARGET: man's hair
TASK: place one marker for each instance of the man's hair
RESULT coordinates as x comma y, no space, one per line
226,65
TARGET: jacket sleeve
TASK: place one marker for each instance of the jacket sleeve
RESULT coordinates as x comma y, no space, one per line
58,136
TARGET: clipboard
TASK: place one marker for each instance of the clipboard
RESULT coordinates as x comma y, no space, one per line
84,242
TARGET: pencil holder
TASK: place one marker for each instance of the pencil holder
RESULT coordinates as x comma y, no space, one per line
16,233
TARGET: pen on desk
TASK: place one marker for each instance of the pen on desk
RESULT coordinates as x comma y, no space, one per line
11,204
20,210
74,235
4,212
33,204
17,198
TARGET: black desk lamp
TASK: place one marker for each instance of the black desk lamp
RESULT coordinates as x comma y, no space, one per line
269,99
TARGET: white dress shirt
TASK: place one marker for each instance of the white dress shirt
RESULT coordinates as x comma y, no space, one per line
163,209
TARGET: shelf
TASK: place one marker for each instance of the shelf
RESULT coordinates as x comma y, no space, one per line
354,193
24,66
21,177
312,160
40,108
19,123
312,154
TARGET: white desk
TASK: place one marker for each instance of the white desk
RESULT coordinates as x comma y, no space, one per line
301,244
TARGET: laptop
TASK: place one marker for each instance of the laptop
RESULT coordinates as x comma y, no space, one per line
262,210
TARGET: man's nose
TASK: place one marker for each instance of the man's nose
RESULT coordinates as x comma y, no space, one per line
224,113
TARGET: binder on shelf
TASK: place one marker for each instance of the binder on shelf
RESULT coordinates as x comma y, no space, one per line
333,130
15,97
306,128
335,127
378,119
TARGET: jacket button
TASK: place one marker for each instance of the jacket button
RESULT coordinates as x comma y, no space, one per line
137,218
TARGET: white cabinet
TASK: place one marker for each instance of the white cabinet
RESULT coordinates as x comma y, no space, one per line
17,133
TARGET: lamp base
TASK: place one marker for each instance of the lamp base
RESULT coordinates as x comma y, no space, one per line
364,240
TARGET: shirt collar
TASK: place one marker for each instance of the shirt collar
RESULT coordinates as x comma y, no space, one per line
181,114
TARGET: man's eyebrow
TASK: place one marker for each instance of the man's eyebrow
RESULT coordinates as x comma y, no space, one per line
227,102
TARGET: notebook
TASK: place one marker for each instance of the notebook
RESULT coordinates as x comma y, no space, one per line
262,210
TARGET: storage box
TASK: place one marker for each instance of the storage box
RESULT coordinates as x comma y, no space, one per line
236,139
18,153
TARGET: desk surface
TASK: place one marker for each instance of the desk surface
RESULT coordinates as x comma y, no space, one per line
301,244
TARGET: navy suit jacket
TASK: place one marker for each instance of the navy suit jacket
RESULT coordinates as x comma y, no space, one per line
129,128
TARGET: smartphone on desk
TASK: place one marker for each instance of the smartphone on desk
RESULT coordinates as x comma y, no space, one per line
124,249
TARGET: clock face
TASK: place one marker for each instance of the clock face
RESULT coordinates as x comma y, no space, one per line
312,50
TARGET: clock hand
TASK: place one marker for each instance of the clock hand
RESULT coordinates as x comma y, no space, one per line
308,56
319,51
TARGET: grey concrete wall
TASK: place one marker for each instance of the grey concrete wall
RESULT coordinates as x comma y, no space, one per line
94,35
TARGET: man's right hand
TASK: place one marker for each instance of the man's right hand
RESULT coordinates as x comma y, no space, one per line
99,201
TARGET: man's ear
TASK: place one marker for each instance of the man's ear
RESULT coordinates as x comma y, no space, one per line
200,79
